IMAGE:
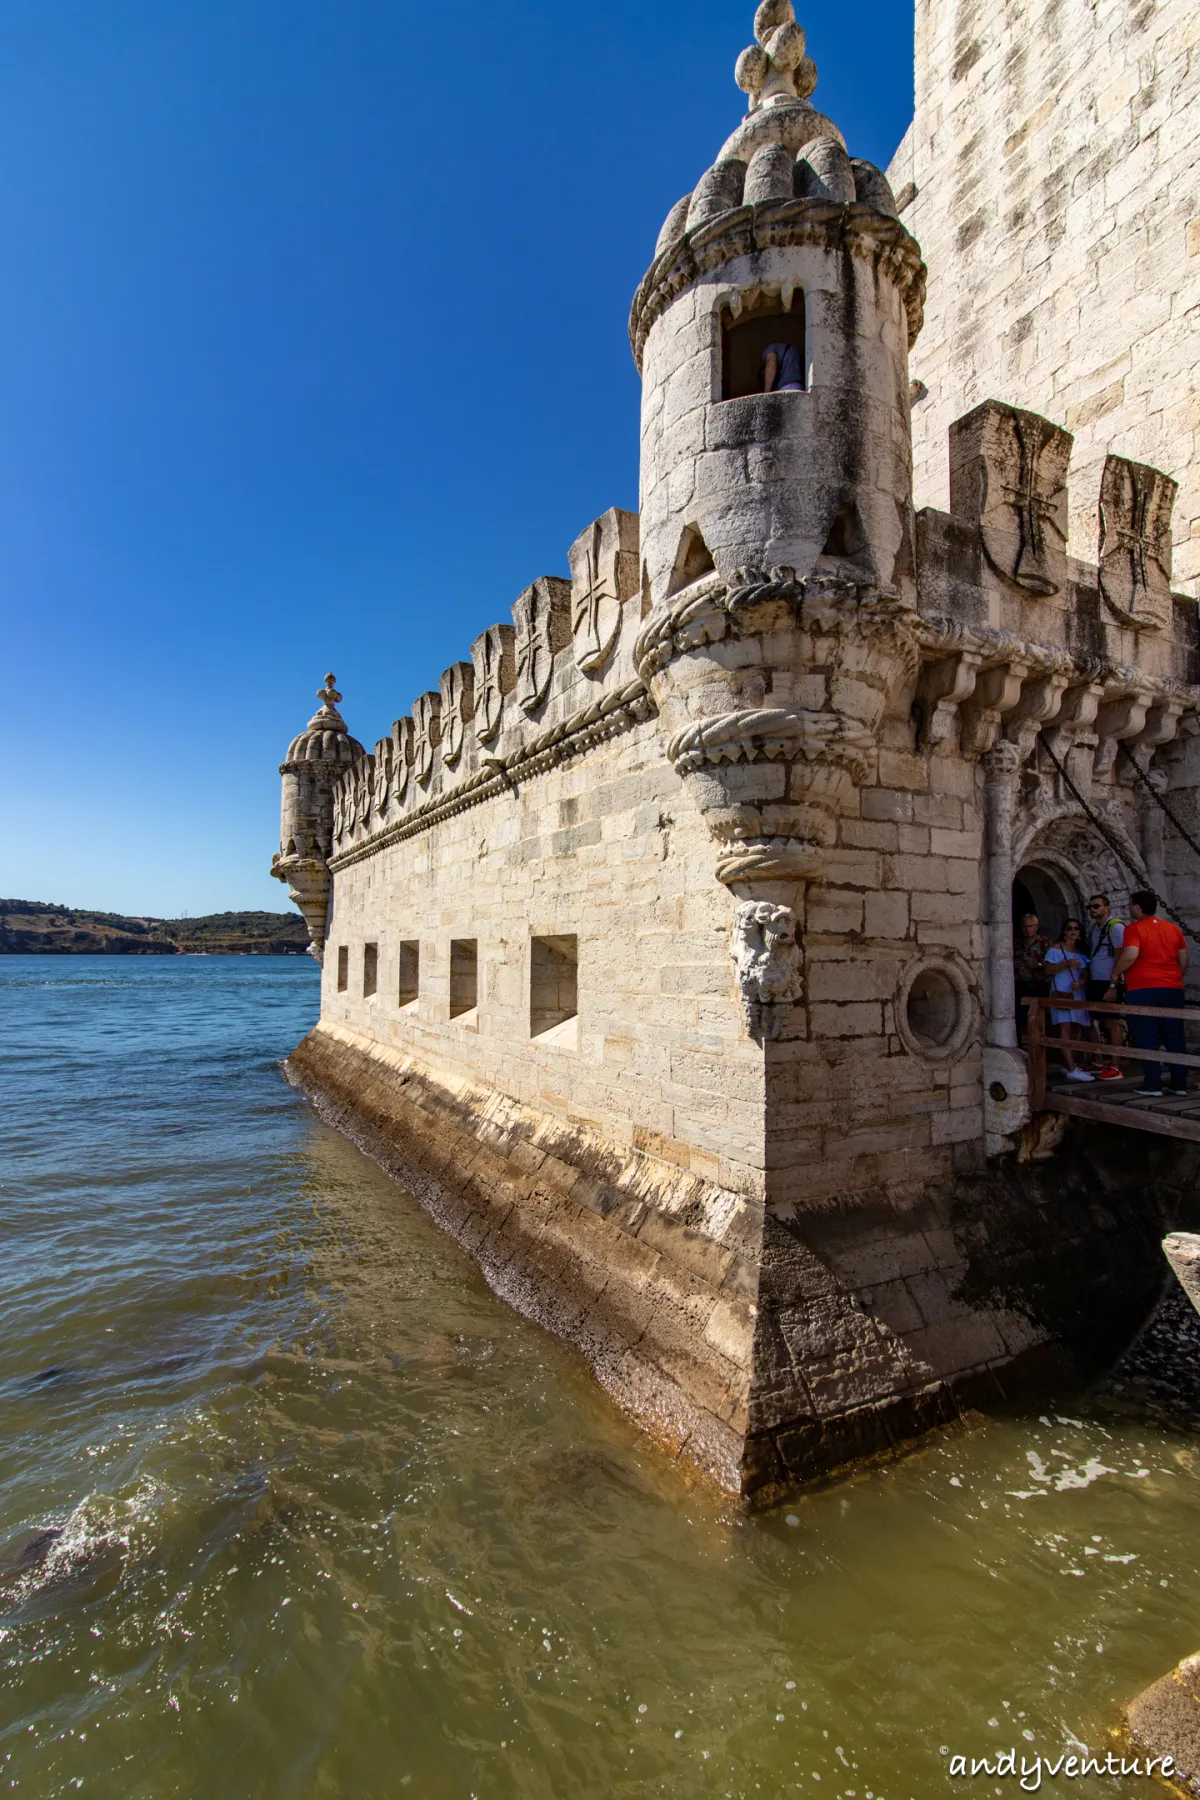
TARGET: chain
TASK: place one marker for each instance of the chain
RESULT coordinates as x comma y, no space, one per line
1158,798
1112,841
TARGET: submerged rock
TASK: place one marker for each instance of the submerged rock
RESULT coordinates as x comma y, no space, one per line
1182,1251
1165,1721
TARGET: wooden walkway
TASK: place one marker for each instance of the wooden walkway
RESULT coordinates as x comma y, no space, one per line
1113,1102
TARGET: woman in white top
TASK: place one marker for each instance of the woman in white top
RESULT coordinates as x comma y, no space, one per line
1066,964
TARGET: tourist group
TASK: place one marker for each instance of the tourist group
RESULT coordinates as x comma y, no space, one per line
1140,961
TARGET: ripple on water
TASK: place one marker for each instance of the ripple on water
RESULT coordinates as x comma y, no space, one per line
290,1505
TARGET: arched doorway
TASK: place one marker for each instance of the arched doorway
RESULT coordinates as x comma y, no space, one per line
1035,889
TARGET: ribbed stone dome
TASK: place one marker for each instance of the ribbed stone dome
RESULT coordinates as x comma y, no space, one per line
785,168
325,738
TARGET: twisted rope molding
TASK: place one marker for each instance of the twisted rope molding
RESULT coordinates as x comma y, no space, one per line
771,224
768,733
606,718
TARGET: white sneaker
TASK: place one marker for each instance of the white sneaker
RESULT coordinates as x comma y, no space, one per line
1079,1075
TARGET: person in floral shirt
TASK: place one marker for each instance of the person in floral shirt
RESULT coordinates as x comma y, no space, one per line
1029,968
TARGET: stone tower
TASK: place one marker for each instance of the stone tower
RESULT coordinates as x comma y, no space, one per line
776,528
314,758
1051,173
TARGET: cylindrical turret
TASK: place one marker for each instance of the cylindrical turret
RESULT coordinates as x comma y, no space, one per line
306,817
788,258
772,333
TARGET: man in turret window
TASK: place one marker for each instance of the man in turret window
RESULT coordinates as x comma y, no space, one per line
781,372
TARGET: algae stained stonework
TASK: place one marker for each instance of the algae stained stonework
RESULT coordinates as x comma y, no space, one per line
667,945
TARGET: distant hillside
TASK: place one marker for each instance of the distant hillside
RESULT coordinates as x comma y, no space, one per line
33,927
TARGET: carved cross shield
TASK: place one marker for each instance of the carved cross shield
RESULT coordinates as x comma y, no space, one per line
427,733
495,676
541,617
383,776
402,756
458,709
1008,475
1136,503
366,788
604,575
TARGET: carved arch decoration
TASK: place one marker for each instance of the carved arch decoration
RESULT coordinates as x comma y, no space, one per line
1064,842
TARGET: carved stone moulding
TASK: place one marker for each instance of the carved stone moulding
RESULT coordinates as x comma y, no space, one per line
854,229
1134,554
1008,477
770,781
309,883
542,627
991,684
604,580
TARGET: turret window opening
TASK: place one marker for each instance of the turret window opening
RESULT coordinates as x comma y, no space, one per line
343,968
370,969
765,344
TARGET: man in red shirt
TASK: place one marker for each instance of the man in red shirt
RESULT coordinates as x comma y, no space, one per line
1153,960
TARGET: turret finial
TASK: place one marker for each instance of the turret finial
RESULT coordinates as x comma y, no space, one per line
775,68
329,693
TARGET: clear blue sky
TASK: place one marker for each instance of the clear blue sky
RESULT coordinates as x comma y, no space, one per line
312,355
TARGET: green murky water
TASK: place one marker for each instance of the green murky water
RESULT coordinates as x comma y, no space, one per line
335,1522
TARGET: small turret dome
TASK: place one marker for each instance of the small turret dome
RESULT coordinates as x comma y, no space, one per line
325,738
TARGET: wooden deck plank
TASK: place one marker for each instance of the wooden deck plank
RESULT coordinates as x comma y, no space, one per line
1130,1118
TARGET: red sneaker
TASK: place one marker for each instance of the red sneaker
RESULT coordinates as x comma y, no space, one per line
1109,1073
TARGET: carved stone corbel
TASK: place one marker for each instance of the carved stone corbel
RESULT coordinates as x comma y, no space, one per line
941,690
996,692
1041,698
1162,724
1119,718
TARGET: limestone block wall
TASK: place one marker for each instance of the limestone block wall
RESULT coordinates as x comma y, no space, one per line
1055,154
606,849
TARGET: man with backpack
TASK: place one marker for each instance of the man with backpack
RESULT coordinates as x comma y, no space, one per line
1105,939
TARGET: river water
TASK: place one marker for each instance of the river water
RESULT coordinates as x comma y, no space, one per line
335,1522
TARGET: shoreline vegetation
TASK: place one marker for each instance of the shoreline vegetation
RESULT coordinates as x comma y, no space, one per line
38,928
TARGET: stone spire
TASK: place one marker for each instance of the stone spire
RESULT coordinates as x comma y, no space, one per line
775,67
306,823
325,738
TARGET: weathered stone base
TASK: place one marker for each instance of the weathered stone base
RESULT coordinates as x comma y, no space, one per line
649,1271
767,1351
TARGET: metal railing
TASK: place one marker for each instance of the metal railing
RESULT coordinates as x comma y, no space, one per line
1038,1042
